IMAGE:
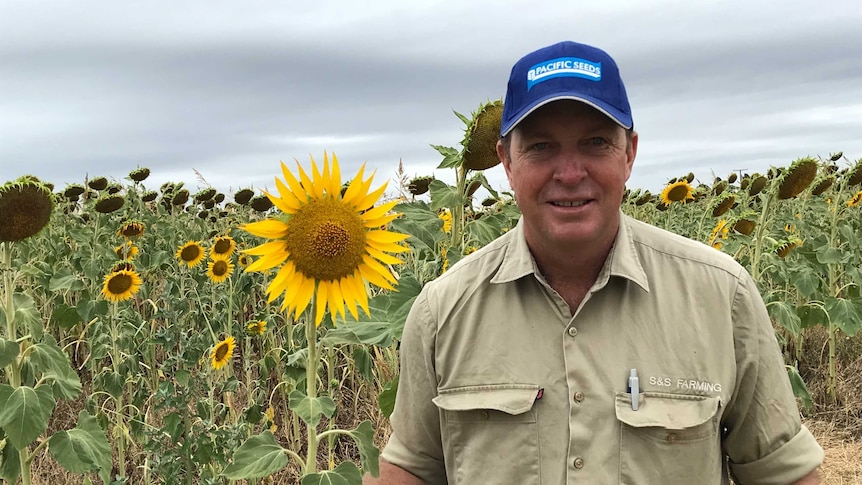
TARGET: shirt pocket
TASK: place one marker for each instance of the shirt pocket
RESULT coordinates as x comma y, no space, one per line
671,438
490,434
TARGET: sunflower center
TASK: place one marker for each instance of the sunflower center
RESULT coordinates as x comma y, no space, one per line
220,268
221,351
119,284
326,239
678,193
222,246
190,253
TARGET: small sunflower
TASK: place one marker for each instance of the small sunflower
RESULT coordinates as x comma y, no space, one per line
219,269
718,244
420,185
121,285
797,178
325,241
783,250
244,260
446,217
679,191
222,352
481,136
126,250
855,200
190,253
205,195
131,229
222,246
720,231
25,208
181,197
256,328
74,191
643,199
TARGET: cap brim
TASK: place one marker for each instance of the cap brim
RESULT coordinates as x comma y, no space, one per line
616,115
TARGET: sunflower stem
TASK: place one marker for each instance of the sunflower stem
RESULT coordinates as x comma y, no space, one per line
115,361
311,382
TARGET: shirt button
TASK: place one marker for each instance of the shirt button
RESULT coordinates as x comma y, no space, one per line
579,396
572,331
578,463
672,437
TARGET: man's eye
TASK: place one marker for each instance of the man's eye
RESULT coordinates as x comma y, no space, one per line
597,141
539,146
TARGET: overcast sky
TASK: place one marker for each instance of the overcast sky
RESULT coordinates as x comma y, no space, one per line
230,88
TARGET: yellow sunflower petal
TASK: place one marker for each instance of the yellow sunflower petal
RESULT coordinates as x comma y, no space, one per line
360,293
293,283
354,189
287,196
385,237
267,228
337,298
267,261
293,183
369,200
265,248
348,292
322,302
382,257
335,177
279,283
316,192
382,210
303,297
376,273
278,202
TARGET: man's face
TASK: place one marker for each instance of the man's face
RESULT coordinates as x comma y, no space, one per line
568,164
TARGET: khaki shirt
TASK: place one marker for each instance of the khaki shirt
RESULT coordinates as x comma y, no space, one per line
501,384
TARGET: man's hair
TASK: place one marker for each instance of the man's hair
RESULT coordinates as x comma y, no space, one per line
507,142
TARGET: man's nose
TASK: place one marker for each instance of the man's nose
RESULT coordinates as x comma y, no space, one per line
570,169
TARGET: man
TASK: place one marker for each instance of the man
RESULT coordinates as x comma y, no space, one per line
584,346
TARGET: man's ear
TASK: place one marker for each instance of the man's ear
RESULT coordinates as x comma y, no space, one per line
631,153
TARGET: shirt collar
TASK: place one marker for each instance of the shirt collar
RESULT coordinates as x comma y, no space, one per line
623,260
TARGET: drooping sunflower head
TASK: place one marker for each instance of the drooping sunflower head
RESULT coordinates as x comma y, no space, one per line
149,196
98,183
420,185
223,246
25,208
822,184
205,194
121,285
645,198
744,226
719,187
732,177
131,229
243,196
73,191
181,197
785,248
109,203
126,265
260,203
797,178
679,191
222,352
723,204
190,254
481,135
127,250
326,242
139,174
854,175
855,200
257,327
219,269
758,183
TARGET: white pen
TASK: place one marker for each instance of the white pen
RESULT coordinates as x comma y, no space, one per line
634,388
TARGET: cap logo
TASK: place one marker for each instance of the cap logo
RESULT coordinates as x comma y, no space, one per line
564,67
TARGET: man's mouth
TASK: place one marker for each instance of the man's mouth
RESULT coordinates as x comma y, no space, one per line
569,203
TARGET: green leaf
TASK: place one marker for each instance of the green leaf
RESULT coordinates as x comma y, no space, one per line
110,382
56,367
386,398
451,156
8,351
65,316
786,316
800,390
467,121
84,448
842,313
363,435
90,308
173,425
806,281
10,466
812,315
27,314
828,255
444,195
24,412
260,456
345,473
310,409
64,279
363,361
373,333
485,229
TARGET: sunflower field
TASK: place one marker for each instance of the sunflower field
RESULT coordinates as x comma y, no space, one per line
164,336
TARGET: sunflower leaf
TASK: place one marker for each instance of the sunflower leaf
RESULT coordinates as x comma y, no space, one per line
8,351
84,448
363,435
800,390
64,279
65,316
842,313
367,332
310,409
346,473
56,367
386,398
444,195
27,314
786,316
260,456
24,412
10,466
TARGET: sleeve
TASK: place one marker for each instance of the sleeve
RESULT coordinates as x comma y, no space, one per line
415,443
766,442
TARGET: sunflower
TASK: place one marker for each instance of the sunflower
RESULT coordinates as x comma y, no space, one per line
744,226
854,176
446,217
326,241
243,196
131,229
719,232
855,200
679,191
98,183
758,183
25,208
139,174
126,250
121,285
109,203
190,253
256,328
420,185
797,178
222,246
222,352
244,260
219,269
724,203
783,250
822,184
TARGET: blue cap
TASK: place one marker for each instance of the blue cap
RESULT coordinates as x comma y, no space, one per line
566,70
